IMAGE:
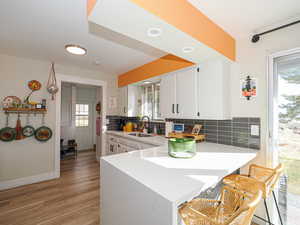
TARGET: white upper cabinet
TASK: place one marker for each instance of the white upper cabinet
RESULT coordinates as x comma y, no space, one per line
168,96
123,98
178,98
214,90
128,105
186,94
200,92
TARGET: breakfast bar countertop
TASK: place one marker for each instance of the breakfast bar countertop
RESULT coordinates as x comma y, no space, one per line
178,180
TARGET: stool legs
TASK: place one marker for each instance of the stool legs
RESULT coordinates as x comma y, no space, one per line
277,207
267,211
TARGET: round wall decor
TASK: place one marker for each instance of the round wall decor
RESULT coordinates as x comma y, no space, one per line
8,134
28,131
43,134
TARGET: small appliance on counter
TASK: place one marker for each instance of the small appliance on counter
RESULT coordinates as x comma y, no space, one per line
168,128
182,147
178,127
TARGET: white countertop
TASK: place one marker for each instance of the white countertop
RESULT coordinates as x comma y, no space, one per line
154,140
180,179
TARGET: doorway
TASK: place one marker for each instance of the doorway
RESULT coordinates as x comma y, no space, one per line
82,114
78,119
284,127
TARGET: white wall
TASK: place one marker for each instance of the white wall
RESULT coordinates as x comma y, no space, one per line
252,60
25,158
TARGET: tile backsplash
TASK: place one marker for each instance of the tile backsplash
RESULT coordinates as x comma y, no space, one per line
234,132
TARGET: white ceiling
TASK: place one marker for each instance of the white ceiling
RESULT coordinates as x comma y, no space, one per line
40,29
171,40
241,18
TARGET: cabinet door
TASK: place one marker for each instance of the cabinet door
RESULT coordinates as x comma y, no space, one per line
123,104
122,148
186,94
213,91
133,94
168,96
111,148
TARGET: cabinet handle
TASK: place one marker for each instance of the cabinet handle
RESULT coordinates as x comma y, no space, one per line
177,108
124,109
198,114
173,110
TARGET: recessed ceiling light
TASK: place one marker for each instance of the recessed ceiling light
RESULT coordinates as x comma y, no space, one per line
154,32
188,49
76,49
147,82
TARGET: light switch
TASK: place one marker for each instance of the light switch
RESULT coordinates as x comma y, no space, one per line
107,121
254,130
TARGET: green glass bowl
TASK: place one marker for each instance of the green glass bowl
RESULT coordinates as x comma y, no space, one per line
182,147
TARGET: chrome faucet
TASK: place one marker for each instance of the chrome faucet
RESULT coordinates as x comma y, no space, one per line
143,126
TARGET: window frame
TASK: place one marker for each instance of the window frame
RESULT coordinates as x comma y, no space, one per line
153,116
76,115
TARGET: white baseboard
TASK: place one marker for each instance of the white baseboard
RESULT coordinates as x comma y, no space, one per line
4,185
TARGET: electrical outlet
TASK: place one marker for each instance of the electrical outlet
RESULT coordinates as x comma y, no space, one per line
254,130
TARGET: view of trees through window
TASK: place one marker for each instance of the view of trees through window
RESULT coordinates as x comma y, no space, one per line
289,135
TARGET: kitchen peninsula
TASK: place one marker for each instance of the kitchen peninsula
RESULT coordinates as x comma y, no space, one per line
146,187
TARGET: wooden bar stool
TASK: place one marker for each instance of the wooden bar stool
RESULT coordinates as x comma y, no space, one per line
235,207
267,177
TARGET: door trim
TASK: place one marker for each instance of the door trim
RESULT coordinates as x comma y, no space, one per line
271,159
78,80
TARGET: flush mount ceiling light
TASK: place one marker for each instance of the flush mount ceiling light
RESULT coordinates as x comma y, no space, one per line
154,32
188,49
76,49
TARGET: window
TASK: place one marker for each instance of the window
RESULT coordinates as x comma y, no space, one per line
82,115
150,101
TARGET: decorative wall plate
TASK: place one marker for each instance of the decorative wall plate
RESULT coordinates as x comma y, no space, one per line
28,131
11,101
43,134
7,134
34,85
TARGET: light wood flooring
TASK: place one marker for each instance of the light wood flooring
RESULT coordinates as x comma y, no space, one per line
72,199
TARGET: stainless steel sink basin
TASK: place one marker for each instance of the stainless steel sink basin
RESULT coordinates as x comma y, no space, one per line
140,135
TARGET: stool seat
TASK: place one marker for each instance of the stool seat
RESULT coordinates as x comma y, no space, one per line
235,207
267,178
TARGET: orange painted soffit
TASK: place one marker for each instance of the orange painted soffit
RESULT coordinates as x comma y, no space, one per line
165,64
185,17
90,6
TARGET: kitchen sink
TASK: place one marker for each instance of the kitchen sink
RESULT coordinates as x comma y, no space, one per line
140,135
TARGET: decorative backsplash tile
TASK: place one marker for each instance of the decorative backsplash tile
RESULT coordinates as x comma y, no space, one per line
234,132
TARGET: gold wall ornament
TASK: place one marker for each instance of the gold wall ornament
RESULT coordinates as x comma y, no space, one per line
52,83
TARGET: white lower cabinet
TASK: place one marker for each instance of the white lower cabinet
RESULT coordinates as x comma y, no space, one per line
116,145
111,148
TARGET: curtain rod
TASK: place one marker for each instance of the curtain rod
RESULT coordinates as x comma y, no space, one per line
256,37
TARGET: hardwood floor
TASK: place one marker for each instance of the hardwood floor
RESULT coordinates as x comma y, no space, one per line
72,199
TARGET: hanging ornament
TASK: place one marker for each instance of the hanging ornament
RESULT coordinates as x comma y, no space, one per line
52,84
